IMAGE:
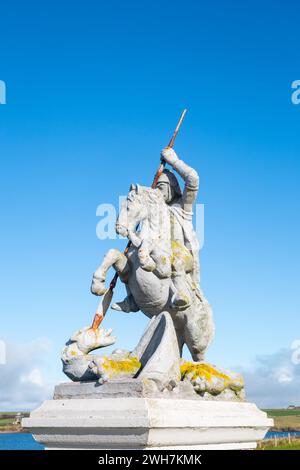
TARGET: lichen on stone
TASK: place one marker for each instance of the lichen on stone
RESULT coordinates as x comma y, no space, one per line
179,251
202,370
128,365
212,380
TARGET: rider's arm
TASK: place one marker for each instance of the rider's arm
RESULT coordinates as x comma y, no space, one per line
189,176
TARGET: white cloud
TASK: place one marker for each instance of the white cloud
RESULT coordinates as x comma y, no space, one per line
274,380
34,377
23,378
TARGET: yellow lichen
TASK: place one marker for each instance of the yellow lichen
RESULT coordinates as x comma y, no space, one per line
129,365
180,252
207,372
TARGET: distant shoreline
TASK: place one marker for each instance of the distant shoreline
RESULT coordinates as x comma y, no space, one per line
11,422
16,430
283,429
12,430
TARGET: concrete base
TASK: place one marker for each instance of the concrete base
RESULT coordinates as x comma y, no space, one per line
123,422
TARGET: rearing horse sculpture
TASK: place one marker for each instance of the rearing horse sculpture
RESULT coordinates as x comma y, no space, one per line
147,269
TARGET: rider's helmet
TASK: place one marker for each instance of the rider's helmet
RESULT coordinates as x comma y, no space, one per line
168,184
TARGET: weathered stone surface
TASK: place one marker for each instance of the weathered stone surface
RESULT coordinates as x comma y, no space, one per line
212,381
140,388
156,356
113,389
161,267
158,351
75,355
119,364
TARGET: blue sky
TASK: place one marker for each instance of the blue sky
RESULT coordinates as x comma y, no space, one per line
94,90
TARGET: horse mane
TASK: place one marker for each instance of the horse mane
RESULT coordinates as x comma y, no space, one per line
156,206
150,196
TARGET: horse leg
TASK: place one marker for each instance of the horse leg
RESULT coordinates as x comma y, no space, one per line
180,340
153,258
112,258
127,305
147,263
162,259
199,329
181,298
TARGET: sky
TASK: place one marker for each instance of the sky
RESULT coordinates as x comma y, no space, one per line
94,90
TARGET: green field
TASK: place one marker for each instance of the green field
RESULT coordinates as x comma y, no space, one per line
282,412
7,421
281,444
285,420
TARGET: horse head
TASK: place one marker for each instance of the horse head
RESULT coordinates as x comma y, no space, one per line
137,208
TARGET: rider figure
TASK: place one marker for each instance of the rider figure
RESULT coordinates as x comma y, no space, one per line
181,208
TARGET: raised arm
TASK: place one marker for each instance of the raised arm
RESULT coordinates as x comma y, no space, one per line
189,176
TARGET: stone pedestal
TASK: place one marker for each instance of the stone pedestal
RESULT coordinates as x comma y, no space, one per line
126,416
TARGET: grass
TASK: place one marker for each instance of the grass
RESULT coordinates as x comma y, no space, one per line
282,412
285,420
7,421
293,443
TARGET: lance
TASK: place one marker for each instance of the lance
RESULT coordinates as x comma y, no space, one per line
107,297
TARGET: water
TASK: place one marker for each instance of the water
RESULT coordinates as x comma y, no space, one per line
18,441
22,441
280,434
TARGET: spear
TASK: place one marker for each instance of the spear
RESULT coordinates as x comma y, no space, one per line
107,298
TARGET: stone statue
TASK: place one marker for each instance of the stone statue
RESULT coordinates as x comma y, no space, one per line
161,268
161,273
150,397
183,238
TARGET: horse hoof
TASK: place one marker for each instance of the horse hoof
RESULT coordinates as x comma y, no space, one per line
148,265
121,307
98,288
180,303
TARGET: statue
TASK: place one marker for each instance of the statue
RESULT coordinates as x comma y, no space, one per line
161,268
150,397
184,243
